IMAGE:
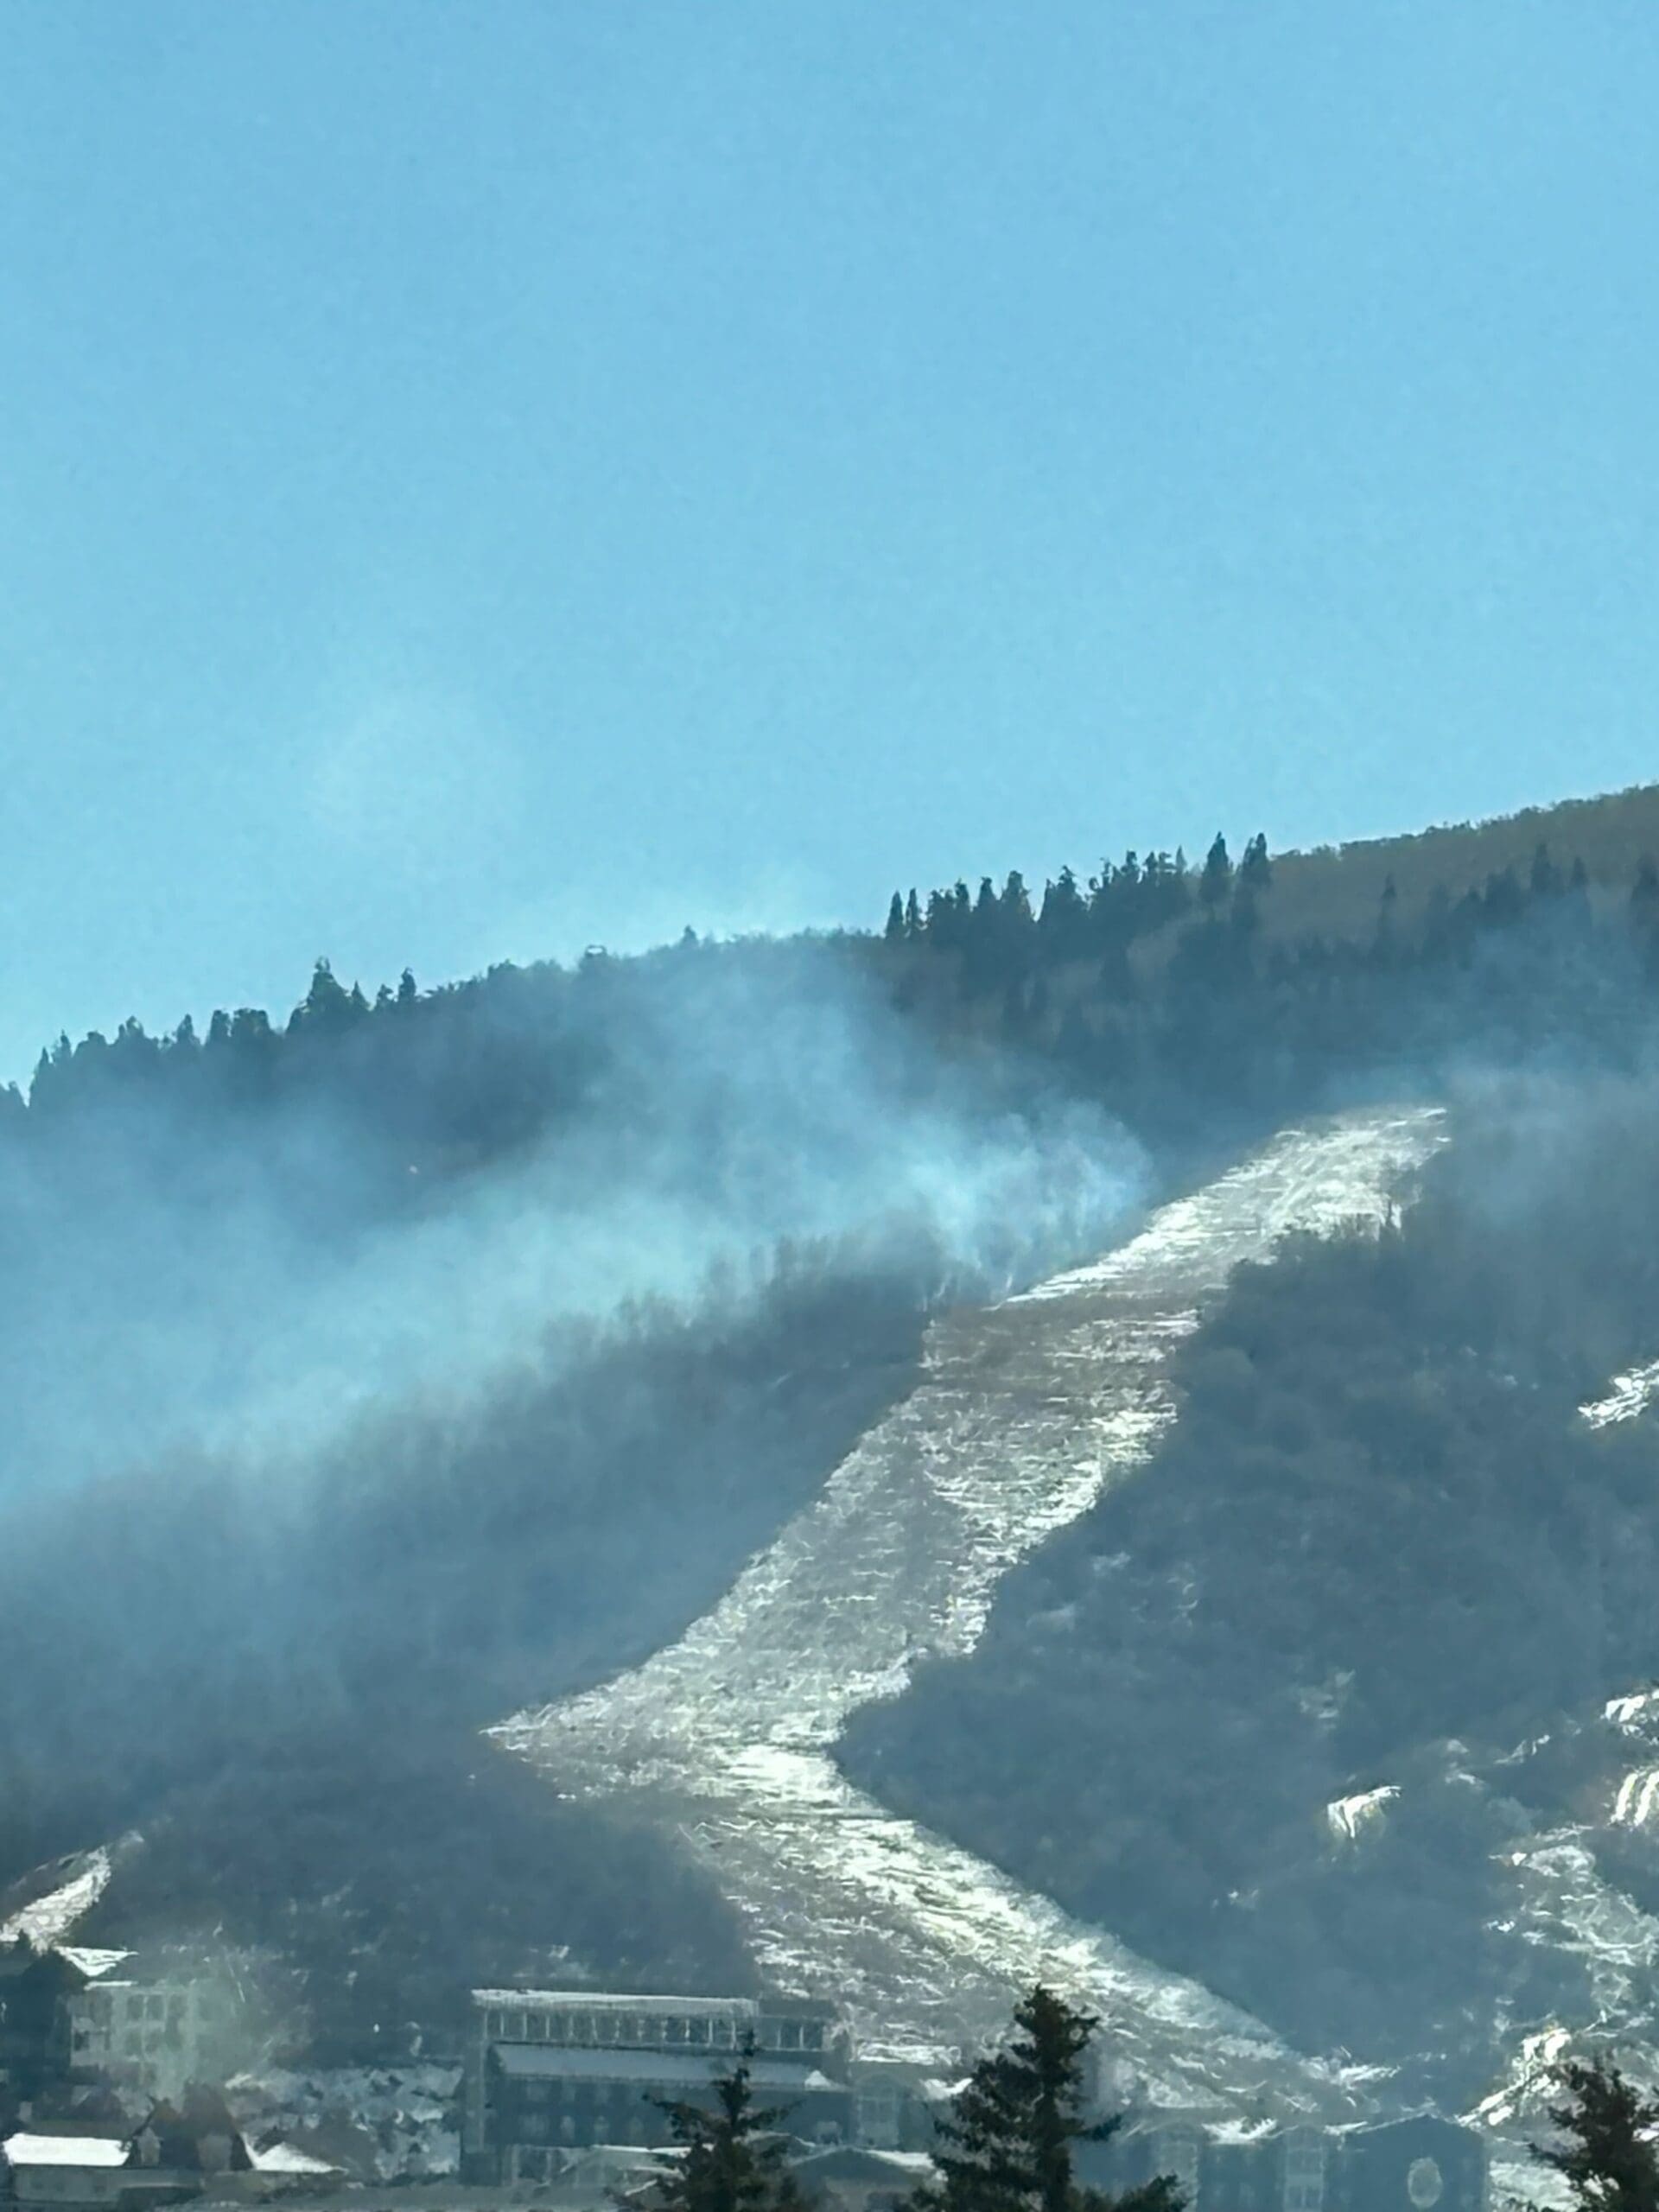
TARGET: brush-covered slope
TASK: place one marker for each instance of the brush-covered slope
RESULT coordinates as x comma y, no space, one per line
1322,1706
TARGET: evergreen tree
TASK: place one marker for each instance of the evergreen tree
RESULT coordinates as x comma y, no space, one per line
327,1008
1007,2145
407,993
1216,880
913,917
732,2158
1063,926
1256,869
895,929
1607,2158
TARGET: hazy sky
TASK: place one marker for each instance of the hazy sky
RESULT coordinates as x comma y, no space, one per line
480,479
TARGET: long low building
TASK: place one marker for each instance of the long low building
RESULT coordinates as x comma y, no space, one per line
550,2071
1421,2164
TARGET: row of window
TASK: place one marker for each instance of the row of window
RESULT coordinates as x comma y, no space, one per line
611,2030
104,2004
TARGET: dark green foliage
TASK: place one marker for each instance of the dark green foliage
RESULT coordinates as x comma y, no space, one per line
732,2157
1007,2145
1608,2157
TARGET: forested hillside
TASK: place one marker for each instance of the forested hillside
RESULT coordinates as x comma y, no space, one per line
1382,1551
372,1371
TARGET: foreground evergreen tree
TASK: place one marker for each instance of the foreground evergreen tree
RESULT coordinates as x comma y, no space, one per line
1608,2157
734,2157
1008,2147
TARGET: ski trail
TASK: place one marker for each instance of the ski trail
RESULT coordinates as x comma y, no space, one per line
1023,1415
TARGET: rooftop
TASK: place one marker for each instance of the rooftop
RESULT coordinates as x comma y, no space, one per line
64,2151
532,2062
615,2000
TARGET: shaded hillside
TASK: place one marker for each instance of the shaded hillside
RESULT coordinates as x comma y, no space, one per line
352,1409
1380,1552
286,1704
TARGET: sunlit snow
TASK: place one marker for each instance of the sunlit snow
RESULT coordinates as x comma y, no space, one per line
1348,1816
48,1919
1628,1395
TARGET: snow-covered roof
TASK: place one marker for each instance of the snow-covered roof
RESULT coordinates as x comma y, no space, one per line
289,2158
93,1963
538,2062
64,2151
914,2163
594,2000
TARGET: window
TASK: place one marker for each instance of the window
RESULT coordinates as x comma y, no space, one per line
789,2035
699,2030
1304,2173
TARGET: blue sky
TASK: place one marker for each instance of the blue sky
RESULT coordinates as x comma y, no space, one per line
476,480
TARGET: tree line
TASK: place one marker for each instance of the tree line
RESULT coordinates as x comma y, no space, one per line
1009,2143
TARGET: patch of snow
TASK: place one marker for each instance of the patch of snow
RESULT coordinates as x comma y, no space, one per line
1348,1816
49,1918
1634,1711
1637,1799
1628,1395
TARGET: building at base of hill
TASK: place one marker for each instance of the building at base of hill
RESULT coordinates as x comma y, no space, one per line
181,2151
550,2071
1423,2163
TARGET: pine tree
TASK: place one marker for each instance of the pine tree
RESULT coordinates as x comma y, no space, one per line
1007,2146
913,917
1217,877
1063,925
1256,869
1608,2158
732,2159
895,929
